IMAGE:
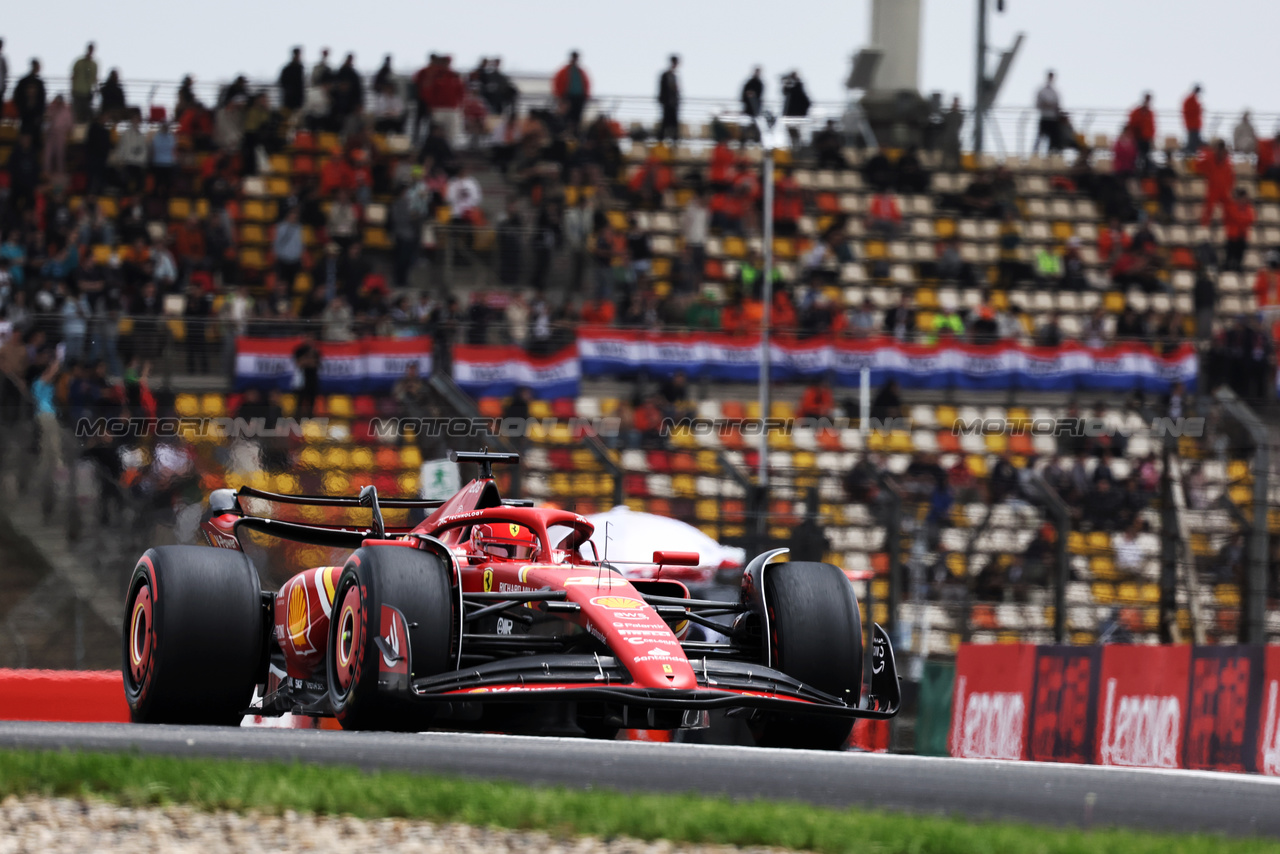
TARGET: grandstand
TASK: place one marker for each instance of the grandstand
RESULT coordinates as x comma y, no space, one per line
975,563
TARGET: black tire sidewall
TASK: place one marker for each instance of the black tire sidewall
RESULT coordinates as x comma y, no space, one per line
815,635
416,583
206,635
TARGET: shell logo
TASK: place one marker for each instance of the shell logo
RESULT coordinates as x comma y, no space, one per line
298,615
618,603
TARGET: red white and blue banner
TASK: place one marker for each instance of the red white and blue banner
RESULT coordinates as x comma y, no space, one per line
728,358
497,371
374,364
358,367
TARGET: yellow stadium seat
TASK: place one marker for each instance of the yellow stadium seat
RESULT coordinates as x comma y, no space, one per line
179,208
186,405
411,457
1114,302
213,406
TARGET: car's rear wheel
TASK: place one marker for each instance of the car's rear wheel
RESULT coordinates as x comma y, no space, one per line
193,636
413,587
815,635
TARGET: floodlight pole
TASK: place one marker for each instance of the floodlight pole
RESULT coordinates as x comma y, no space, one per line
980,84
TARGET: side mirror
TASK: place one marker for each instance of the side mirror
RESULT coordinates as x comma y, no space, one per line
666,558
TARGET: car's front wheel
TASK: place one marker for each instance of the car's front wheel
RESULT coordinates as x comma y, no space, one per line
815,635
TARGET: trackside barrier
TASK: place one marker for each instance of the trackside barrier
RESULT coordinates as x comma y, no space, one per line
1198,707
74,696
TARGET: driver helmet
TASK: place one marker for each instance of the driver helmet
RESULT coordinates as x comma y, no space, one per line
505,541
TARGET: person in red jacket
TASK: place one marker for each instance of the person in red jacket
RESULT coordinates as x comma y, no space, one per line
572,87
1237,218
1219,175
444,97
788,206
423,82
1193,118
1266,286
1143,122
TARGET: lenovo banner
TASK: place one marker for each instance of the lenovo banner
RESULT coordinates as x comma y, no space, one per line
993,693
1205,708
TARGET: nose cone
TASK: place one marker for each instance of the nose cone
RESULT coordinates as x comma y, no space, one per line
640,639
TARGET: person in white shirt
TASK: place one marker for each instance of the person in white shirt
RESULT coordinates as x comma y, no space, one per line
695,220
1049,108
1129,555
463,193
130,155
1245,139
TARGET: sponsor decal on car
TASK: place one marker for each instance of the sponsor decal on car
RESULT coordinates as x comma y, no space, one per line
643,641
488,580
602,581
632,616
299,616
618,603
508,587
662,633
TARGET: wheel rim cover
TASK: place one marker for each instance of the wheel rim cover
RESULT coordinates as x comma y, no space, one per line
349,640
141,635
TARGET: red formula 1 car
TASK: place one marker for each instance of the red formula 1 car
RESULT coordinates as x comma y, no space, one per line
489,615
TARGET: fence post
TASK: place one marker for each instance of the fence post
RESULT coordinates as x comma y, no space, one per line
1057,509
1253,625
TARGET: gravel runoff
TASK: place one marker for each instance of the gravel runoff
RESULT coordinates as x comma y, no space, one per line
50,825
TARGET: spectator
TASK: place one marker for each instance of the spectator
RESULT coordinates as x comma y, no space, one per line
884,217
60,122
887,404
423,81
444,98
1049,334
1228,564
817,400
795,100
828,144
1124,154
464,196
669,100
1244,139
498,91
389,110
1047,105
29,98
293,83
4,73
1143,121
753,93
346,94
1266,288
84,82
97,153
130,157
287,247
900,321
1193,119
1219,175
164,158
572,88
1205,295
321,72
1237,218
114,106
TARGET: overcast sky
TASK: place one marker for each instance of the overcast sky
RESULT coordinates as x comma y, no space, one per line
1105,51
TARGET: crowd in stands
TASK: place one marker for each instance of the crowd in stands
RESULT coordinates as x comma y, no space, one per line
94,173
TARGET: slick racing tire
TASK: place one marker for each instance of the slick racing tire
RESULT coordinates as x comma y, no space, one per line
815,635
193,636
413,587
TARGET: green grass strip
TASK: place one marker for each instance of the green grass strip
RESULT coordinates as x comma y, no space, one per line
273,787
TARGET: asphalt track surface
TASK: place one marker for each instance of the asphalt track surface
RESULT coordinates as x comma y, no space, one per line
1171,801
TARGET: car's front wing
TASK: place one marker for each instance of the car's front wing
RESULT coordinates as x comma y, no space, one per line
721,684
